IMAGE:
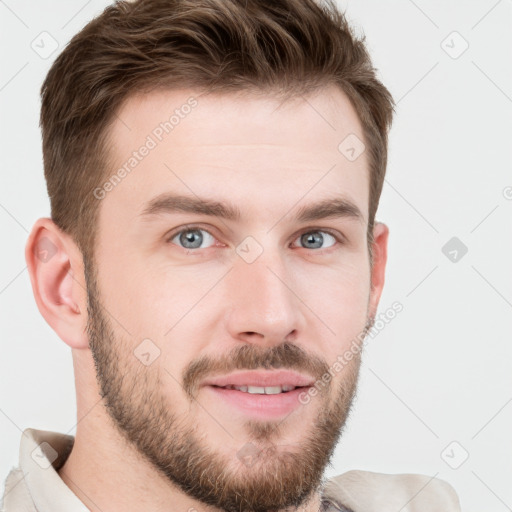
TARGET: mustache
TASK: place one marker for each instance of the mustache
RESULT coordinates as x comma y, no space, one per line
285,356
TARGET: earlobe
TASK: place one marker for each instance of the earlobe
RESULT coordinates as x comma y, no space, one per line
55,267
380,254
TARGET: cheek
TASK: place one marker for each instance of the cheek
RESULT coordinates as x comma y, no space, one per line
171,307
150,299
339,297
339,289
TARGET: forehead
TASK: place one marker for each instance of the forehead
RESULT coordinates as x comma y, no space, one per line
227,144
238,118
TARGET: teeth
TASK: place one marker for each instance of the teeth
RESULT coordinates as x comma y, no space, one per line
257,390
270,390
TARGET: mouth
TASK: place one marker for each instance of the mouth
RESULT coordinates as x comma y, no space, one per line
259,394
262,390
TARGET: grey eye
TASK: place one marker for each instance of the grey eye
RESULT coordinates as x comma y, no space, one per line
192,238
315,239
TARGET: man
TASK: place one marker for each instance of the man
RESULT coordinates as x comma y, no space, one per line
212,259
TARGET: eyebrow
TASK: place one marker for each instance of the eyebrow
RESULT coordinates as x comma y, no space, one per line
169,203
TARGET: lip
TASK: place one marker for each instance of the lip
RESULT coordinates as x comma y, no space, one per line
262,407
262,379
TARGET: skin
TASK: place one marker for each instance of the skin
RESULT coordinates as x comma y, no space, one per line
209,304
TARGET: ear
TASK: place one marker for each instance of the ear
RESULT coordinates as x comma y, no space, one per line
380,255
55,266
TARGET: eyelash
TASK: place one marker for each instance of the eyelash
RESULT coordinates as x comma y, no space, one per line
339,238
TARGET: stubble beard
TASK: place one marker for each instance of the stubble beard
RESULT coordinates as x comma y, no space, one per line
279,477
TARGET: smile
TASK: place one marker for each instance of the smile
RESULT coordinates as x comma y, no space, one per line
258,390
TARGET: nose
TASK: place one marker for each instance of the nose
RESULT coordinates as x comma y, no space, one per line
263,306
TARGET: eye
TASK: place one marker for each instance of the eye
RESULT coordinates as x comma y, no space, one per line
315,239
192,238
197,238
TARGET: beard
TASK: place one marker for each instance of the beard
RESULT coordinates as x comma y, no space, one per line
265,475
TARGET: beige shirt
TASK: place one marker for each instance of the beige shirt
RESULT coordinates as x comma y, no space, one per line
35,485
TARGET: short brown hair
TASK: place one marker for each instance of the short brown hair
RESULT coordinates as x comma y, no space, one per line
287,47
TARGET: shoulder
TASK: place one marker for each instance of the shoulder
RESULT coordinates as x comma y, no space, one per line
367,491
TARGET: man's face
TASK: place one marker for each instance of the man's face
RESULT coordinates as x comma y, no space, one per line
181,301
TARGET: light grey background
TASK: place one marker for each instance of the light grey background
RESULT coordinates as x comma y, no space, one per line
440,372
